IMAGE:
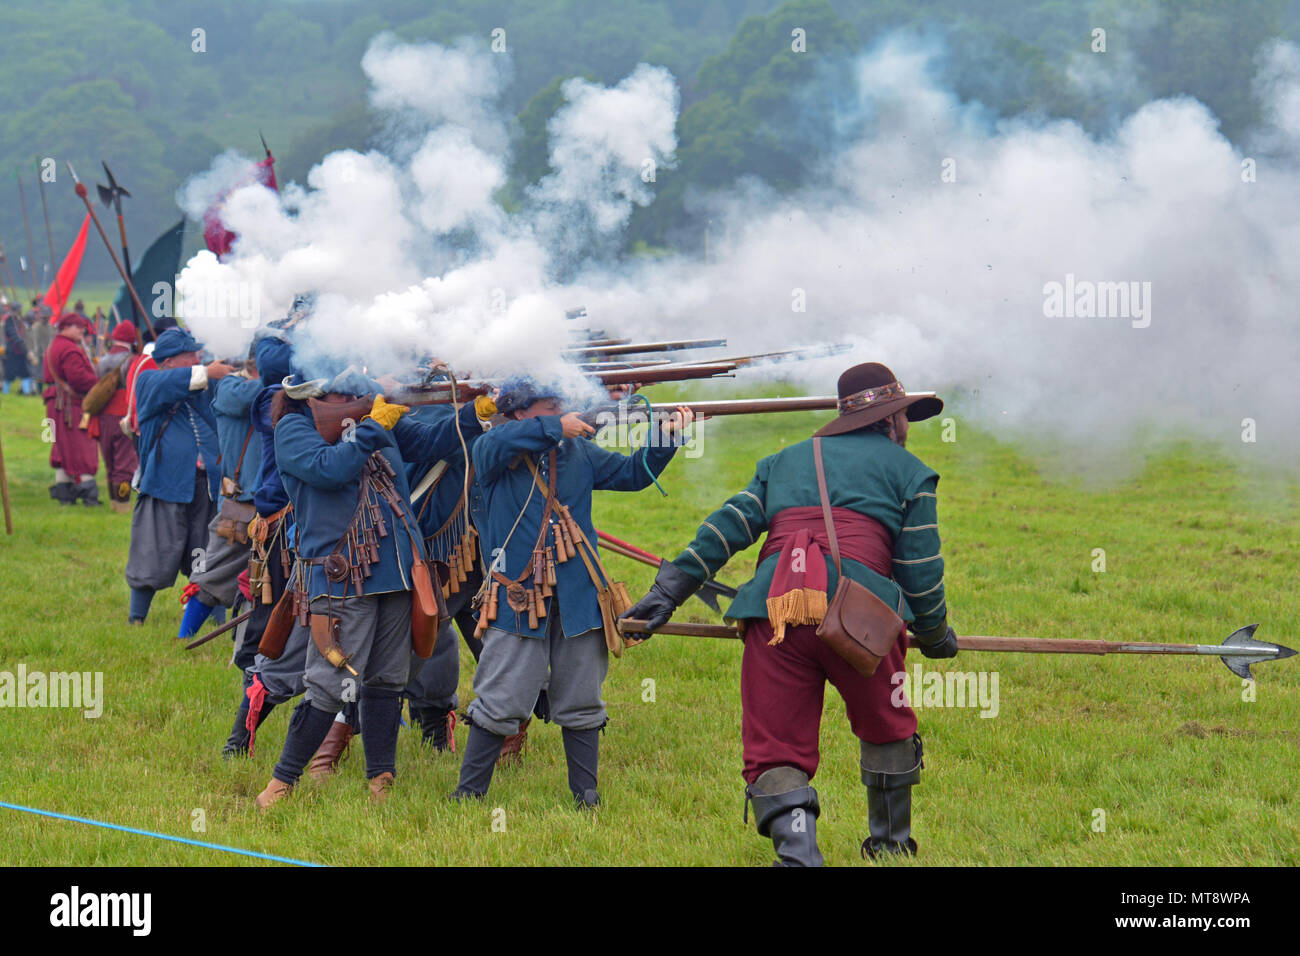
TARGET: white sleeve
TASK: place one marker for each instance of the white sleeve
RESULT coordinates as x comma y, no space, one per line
198,378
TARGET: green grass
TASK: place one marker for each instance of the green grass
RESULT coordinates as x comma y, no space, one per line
1186,772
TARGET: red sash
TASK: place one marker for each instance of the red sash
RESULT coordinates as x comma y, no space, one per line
798,594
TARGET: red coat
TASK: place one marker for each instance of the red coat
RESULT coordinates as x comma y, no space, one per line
74,450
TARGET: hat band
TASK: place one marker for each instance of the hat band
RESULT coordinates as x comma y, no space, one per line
871,396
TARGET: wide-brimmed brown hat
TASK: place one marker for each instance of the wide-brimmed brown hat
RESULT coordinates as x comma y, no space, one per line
871,392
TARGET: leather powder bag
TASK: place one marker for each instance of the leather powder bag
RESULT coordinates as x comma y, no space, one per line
858,626
428,608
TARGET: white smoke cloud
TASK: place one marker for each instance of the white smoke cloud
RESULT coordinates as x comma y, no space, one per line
930,243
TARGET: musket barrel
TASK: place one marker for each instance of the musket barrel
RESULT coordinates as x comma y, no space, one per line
631,348
669,373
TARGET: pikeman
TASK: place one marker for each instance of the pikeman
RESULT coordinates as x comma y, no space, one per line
120,458
361,576
74,455
179,475
541,615
884,532
226,556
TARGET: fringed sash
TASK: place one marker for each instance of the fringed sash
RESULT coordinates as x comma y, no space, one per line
798,594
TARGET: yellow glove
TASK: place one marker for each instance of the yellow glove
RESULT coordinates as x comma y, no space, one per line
484,407
386,414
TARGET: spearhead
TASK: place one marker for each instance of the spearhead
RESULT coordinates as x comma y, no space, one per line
1244,650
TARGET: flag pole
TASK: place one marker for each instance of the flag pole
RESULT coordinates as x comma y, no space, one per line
49,238
81,191
31,256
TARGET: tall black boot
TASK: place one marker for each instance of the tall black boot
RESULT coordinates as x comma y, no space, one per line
582,754
786,809
481,752
237,742
88,492
433,726
64,492
889,772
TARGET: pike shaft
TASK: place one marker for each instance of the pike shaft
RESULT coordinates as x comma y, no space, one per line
49,238
217,632
27,227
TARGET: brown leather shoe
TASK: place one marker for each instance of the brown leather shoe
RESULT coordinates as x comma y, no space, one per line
333,750
379,787
512,751
275,791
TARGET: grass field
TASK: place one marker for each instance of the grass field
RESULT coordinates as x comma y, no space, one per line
1185,770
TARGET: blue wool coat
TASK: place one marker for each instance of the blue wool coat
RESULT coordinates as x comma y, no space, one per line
269,496
167,467
232,400
324,480
445,495
583,467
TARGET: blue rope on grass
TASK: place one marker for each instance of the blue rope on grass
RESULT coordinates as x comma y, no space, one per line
160,836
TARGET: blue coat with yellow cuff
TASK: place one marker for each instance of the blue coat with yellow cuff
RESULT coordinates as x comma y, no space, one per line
324,482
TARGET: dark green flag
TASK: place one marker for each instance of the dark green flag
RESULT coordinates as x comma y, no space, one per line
160,263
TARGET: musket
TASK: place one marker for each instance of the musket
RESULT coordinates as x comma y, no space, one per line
632,348
135,299
217,632
624,413
331,416
1238,652
779,358
40,182
111,196
31,256
709,593
665,373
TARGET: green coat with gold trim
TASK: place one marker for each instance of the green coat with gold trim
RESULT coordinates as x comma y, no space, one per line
866,472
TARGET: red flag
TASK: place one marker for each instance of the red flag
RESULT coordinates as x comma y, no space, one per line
215,233
61,290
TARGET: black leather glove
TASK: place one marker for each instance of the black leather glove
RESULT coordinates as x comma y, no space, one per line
669,592
939,647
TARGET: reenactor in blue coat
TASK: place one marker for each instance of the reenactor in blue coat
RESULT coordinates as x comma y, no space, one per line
226,555
446,505
359,555
267,682
179,475
538,475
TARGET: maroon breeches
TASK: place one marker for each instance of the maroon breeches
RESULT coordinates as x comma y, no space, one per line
782,687
119,451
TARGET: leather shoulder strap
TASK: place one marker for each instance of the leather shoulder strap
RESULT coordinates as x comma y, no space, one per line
239,467
826,504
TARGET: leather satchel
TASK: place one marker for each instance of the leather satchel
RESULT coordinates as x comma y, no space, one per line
233,516
858,626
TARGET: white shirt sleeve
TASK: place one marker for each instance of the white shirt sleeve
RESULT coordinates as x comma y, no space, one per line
198,378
